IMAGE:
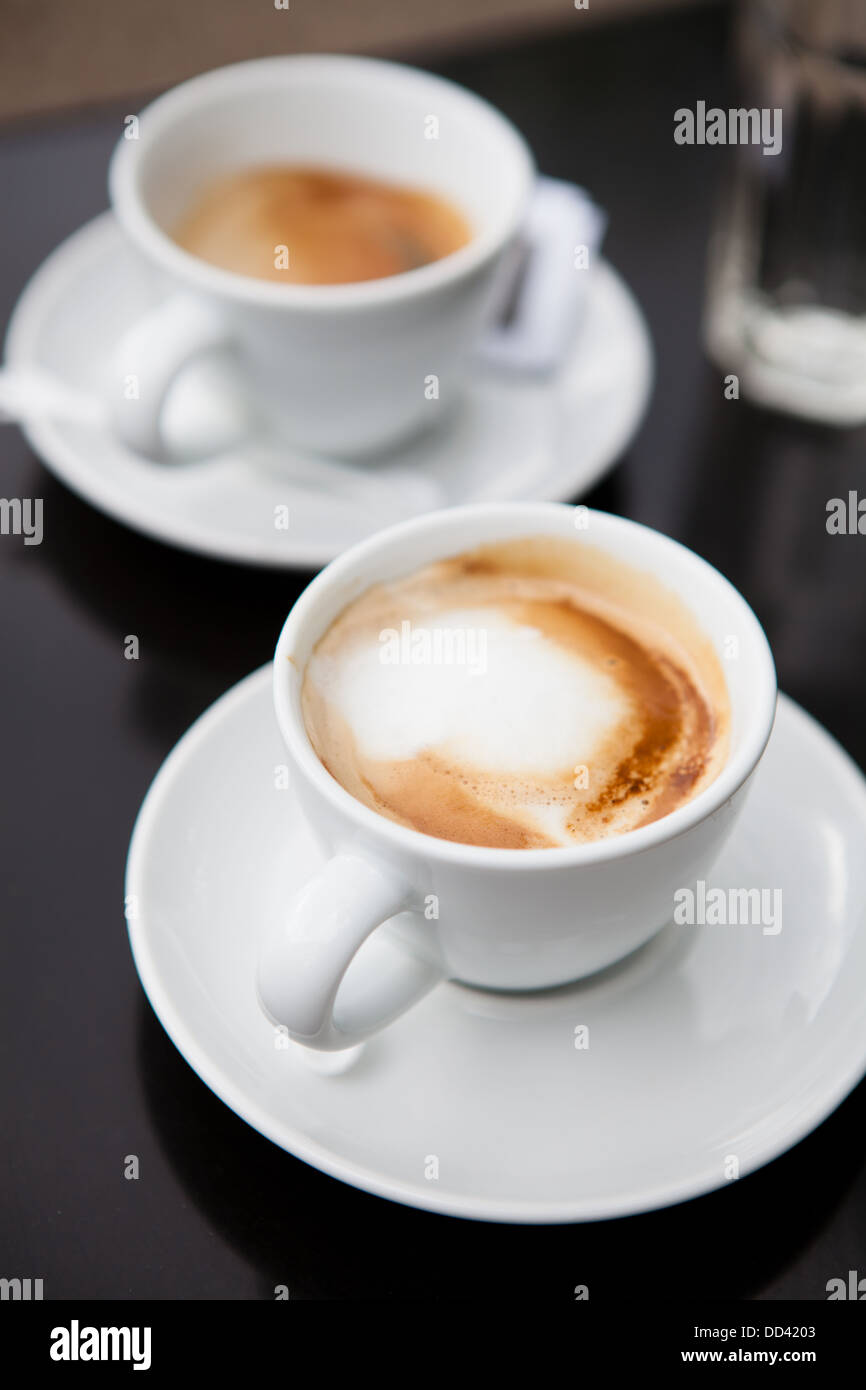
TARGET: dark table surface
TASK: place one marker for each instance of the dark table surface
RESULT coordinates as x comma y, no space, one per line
88,1073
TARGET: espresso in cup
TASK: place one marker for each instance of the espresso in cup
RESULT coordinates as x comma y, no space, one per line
318,226
534,693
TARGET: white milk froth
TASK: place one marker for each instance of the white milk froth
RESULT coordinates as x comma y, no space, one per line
489,693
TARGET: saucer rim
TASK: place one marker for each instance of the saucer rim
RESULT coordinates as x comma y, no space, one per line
653,1197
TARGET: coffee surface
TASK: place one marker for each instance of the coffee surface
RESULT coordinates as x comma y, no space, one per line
317,226
530,694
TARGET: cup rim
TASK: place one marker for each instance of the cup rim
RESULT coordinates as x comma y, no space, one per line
739,766
166,110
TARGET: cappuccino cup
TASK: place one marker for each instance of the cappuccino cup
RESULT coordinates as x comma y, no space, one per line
343,368
457,849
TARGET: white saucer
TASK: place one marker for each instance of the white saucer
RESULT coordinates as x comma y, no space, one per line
709,1042
547,440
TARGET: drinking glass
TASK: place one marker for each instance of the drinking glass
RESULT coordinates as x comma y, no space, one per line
786,302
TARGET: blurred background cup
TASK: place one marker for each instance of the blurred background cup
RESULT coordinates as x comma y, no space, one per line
337,367
786,303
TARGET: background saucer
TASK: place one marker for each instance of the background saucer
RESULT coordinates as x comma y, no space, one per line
710,1042
513,437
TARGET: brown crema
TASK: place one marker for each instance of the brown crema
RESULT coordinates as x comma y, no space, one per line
312,226
669,729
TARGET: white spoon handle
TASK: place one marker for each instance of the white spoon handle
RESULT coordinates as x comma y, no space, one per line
27,394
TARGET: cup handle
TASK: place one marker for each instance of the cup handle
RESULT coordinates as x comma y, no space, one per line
146,362
302,965
545,281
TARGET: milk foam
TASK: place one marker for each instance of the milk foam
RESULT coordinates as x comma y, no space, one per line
476,687
524,695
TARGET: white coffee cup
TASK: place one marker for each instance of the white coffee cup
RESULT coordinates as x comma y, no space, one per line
505,919
346,368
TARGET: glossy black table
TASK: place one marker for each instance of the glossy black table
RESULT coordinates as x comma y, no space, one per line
88,1075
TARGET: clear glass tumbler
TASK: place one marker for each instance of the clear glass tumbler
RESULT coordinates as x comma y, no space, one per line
786,302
